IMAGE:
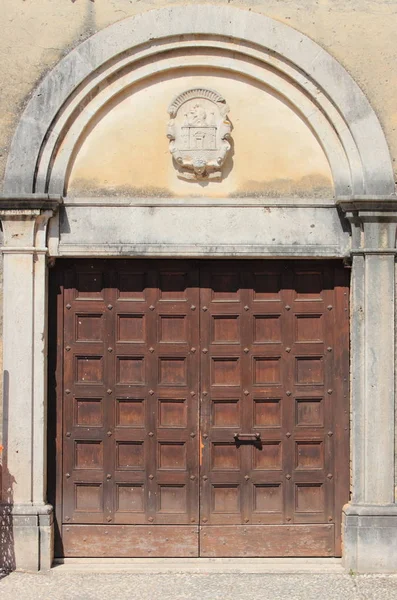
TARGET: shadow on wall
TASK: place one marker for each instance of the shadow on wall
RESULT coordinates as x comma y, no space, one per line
7,554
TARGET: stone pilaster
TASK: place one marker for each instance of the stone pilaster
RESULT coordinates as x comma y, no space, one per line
370,519
26,516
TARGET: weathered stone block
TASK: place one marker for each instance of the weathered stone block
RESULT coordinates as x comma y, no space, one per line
370,540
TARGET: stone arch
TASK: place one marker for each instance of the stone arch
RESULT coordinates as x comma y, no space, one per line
234,40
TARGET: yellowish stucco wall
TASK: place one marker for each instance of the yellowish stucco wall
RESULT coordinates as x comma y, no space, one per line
37,33
126,151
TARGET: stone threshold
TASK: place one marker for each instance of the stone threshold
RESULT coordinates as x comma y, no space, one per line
198,565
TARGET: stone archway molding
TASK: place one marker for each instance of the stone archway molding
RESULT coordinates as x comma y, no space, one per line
334,96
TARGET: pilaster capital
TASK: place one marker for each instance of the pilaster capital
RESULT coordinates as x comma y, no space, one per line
25,218
29,202
373,222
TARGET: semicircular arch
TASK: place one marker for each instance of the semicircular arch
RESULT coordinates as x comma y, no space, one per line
230,39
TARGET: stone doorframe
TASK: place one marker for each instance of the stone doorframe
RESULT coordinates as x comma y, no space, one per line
34,185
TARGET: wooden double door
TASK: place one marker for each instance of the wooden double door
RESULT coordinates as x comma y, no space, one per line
202,407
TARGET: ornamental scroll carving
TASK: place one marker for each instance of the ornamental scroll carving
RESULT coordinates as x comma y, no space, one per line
199,133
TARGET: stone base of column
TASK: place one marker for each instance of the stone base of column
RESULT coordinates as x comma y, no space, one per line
26,537
370,538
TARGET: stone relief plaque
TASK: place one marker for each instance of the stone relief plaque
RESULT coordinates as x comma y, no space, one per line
199,133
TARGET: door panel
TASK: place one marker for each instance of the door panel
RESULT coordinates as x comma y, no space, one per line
130,429
227,378
273,388
126,541
267,541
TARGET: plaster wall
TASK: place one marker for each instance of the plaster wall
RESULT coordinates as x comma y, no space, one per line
360,34
126,152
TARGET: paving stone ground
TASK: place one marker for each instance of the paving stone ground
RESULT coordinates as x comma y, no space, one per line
58,585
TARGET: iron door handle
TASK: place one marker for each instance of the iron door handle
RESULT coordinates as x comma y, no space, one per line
247,437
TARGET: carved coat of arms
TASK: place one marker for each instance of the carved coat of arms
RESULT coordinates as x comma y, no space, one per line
199,133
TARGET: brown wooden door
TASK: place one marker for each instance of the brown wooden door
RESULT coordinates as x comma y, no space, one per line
274,424
130,409
224,377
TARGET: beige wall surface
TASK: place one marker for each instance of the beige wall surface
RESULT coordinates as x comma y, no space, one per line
36,34
126,151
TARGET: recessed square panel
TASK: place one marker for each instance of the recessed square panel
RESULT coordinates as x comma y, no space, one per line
308,285
89,369
267,456
131,285
88,412
225,457
225,498
309,328
131,328
89,328
88,497
130,497
172,455
309,497
172,498
173,285
89,285
130,369
267,412
268,498
225,371
172,371
309,455
226,413
172,413
129,455
267,286
267,329
267,370
225,287
130,412
88,454
172,328
225,329
310,370
309,412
